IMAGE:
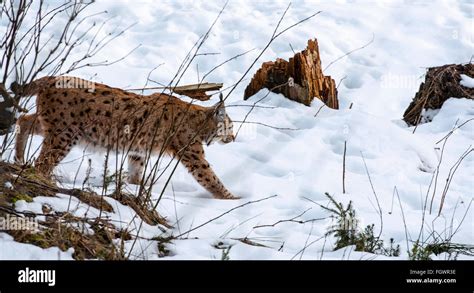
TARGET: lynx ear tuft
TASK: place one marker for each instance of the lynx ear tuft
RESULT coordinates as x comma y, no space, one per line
219,110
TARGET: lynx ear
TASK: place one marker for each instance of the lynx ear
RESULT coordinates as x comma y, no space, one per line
219,110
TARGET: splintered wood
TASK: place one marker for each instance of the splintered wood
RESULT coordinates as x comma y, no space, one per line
197,91
300,79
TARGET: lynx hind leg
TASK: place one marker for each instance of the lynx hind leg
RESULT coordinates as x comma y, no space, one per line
26,125
136,164
193,159
56,145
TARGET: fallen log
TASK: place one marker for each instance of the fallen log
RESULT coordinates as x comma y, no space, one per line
194,91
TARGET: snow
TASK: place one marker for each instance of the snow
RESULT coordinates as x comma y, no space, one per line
12,250
467,81
300,165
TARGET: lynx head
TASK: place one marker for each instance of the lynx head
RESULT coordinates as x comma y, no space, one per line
222,131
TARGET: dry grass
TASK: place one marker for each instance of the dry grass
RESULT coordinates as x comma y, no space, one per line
139,205
59,232
27,184
91,238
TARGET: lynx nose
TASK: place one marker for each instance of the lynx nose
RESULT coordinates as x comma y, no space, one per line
228,139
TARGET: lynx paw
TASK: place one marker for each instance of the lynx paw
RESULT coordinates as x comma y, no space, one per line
227,196
137,180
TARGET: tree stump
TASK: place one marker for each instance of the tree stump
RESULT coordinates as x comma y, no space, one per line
7,115
300,79
441,83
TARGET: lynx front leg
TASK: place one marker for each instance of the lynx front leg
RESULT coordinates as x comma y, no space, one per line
193,159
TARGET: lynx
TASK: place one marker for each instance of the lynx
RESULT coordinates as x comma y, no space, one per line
117,120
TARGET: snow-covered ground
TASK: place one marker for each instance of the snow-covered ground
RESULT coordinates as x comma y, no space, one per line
301,163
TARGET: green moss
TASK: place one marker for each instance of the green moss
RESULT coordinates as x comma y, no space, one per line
20,196
38,239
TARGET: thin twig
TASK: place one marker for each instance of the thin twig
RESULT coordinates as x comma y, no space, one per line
450,177
292,220
454,129
350,52
319,110
407,234
344,169
375,194
266,125
223,214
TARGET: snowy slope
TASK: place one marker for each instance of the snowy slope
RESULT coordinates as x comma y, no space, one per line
303,161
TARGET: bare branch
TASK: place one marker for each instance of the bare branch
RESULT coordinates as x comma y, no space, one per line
349,53
223,214
292,220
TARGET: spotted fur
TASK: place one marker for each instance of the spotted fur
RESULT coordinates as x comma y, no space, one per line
111,118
